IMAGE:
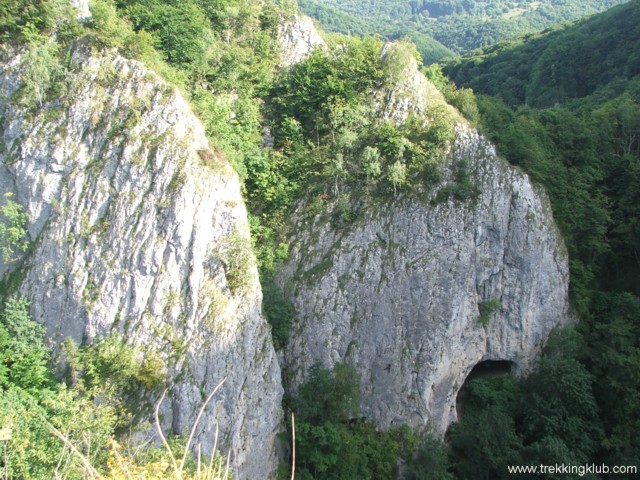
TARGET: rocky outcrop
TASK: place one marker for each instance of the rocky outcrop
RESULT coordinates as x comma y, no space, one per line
139,227
297,38
410,92
399,293
82,6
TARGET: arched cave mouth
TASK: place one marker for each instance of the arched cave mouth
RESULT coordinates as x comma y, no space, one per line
484,369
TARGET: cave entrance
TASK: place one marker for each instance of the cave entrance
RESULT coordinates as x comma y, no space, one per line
484,369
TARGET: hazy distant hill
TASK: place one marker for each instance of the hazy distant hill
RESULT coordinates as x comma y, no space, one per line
572,121
553,67
458,25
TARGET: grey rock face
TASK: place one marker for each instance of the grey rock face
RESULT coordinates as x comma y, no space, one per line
140,228
297,39
412,93
84,13
398,293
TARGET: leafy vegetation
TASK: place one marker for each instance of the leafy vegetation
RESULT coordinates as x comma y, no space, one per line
26,19
334,441
487,309
584,149
279,312
13,223
441,28
91,406
580,405
325,124
559,65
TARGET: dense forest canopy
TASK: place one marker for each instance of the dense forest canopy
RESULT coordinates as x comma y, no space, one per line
542,70
441,28
565,106
580,405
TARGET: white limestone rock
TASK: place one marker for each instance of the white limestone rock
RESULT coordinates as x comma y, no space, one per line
82,6
139,227
298,37
397,294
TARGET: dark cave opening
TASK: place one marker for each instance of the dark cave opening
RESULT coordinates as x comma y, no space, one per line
484,369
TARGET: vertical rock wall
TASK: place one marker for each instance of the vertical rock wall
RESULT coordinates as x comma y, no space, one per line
399,293
138,227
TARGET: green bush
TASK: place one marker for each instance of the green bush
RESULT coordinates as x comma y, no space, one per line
485,442
109,367
18,15
42,69
487,309
13,224
110,30
24,355
278,311
397,58
105,383
430,462
329,395
332,440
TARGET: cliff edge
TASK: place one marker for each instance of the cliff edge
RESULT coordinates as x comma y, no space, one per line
139,227
420,289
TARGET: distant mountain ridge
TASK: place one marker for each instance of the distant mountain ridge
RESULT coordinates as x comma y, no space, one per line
387,251
558,65
448,26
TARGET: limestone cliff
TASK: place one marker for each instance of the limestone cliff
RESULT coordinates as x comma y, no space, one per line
139,227
399,293
297,38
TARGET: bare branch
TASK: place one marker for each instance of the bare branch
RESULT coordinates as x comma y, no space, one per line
293,447
197,420
164,440
85,461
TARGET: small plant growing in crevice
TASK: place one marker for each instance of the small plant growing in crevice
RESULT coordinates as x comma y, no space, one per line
463,188
217,302
236,256
487,309
13,224
209,159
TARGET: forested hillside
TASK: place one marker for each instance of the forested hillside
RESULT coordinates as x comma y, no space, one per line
565,107
311,138
458,25
571,62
